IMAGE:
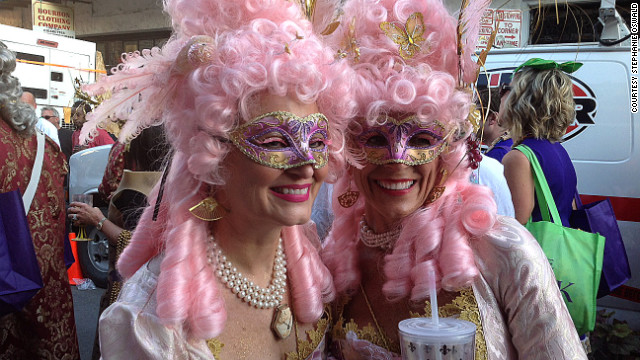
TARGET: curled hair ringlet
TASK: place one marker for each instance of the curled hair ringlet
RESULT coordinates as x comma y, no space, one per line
19,115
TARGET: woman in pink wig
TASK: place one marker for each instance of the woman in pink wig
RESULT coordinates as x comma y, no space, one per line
221,264
406,215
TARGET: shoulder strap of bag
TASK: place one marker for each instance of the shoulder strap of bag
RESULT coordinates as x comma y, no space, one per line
543,193
578,200
30,193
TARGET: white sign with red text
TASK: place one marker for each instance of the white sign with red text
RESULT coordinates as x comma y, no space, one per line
509,24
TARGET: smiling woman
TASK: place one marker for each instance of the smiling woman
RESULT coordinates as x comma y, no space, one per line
407,219
254,108
284,166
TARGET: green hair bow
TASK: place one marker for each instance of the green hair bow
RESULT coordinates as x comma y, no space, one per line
542,64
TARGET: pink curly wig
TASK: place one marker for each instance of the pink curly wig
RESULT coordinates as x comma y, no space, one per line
253,47
434,238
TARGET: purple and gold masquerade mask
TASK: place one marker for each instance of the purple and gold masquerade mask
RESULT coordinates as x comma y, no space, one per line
283,140
407,141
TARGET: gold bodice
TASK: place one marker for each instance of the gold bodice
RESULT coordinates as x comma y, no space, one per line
463,306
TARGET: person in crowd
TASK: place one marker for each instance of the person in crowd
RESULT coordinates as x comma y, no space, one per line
221,264
79,112
45,328
114,171
64,135
489,171
51,114
28,98
538,109
138,169
498,138
44,126
123,157
406,214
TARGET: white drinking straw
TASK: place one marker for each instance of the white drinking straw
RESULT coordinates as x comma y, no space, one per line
434,307
434,298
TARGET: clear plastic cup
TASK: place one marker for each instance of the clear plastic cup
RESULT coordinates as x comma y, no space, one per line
422,339
83,198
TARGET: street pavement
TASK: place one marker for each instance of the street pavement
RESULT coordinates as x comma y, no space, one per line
86,304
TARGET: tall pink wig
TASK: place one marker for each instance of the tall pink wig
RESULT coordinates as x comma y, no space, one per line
201,85
428,85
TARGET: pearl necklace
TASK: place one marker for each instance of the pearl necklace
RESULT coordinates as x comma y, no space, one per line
384,240
243,288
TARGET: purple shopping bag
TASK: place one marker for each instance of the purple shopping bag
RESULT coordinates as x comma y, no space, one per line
598,217
20,277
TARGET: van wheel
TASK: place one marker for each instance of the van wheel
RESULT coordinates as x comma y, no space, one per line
94,257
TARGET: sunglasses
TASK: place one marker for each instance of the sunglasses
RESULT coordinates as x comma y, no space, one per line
47,117
504,88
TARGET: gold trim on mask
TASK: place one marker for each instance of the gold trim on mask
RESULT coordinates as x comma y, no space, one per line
283,140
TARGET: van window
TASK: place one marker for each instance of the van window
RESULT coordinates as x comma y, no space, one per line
578,22
30,57
38,93
56,76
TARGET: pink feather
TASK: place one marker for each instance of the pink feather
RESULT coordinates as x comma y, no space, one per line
139,92
468,30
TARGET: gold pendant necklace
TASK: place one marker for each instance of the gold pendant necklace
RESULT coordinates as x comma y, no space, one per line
386,341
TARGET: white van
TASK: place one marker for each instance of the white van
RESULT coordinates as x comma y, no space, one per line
49,64
603,141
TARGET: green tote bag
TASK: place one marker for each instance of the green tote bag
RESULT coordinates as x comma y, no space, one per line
575,255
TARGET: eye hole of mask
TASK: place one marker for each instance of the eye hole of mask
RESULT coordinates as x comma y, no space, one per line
376,141
317,142
423,140
271,141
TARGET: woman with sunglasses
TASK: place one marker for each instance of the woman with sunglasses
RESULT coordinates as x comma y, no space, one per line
222,264
406,215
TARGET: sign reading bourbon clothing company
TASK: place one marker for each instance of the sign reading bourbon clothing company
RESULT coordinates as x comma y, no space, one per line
508,22
52,18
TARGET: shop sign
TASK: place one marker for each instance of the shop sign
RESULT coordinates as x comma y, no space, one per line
53,18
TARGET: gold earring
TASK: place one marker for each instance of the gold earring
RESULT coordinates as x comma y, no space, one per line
437,191
348,198
208,210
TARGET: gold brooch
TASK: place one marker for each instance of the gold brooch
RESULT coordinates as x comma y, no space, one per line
349,43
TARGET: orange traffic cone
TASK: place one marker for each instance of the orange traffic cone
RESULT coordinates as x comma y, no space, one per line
74,271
